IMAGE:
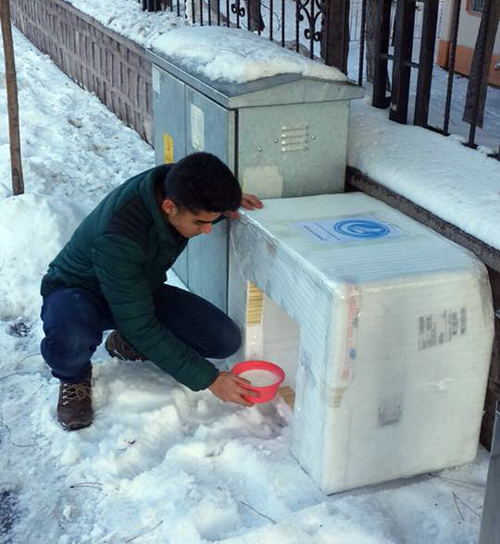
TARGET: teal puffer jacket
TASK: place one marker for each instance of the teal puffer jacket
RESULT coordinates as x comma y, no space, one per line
121,252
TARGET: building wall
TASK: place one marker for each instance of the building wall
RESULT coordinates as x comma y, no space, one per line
116,69
469,27
467,33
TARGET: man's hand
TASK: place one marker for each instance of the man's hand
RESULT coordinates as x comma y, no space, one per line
249,202
229,388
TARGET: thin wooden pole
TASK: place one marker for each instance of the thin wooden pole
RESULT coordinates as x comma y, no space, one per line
12,104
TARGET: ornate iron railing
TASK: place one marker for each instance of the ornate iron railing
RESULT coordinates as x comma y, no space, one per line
300,25
395,63
399,36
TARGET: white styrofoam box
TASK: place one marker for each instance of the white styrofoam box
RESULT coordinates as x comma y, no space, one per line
384,328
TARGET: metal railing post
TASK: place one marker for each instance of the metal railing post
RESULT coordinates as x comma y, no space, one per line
383,30
362,42
426,62
401,67
490,524
451,63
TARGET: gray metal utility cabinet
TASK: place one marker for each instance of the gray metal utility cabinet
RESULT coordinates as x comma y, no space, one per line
283,136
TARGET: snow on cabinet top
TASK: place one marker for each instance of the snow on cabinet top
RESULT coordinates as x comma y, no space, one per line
236,56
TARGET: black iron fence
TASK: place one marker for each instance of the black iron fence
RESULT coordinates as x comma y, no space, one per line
300,25
390,44
395,92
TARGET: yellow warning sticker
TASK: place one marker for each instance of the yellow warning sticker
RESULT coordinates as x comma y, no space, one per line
168,148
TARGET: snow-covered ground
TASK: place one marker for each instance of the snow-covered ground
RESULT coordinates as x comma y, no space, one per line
161,464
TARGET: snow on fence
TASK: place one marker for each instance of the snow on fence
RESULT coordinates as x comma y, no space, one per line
309,27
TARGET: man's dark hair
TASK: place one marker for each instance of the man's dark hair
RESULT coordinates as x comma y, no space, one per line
202,182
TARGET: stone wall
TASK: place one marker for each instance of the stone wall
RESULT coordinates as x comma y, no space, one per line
116,69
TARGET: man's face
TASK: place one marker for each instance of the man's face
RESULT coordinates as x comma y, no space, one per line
187,223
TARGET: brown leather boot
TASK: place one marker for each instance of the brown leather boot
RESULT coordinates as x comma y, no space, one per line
118,347
74,409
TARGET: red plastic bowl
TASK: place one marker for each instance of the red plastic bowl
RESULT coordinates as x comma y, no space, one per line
266,392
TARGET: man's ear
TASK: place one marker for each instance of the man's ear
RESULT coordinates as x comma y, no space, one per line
169,207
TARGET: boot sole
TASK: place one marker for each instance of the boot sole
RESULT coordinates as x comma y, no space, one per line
75,425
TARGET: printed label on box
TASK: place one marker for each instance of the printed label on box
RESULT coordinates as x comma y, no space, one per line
390,409
350,229
434,330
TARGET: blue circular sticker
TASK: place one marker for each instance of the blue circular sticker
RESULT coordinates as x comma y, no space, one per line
361,228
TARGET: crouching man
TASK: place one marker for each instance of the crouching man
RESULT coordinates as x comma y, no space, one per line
111,274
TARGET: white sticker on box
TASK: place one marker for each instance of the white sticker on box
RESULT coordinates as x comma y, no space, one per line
156,80
197,128
349,229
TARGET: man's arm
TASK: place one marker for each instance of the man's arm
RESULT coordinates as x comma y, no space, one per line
118,263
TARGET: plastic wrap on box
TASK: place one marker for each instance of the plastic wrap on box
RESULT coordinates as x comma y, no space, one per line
383,327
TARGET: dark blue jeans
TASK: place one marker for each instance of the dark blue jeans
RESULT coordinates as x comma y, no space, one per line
74,320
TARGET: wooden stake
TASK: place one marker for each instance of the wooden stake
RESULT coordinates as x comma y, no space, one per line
12,104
